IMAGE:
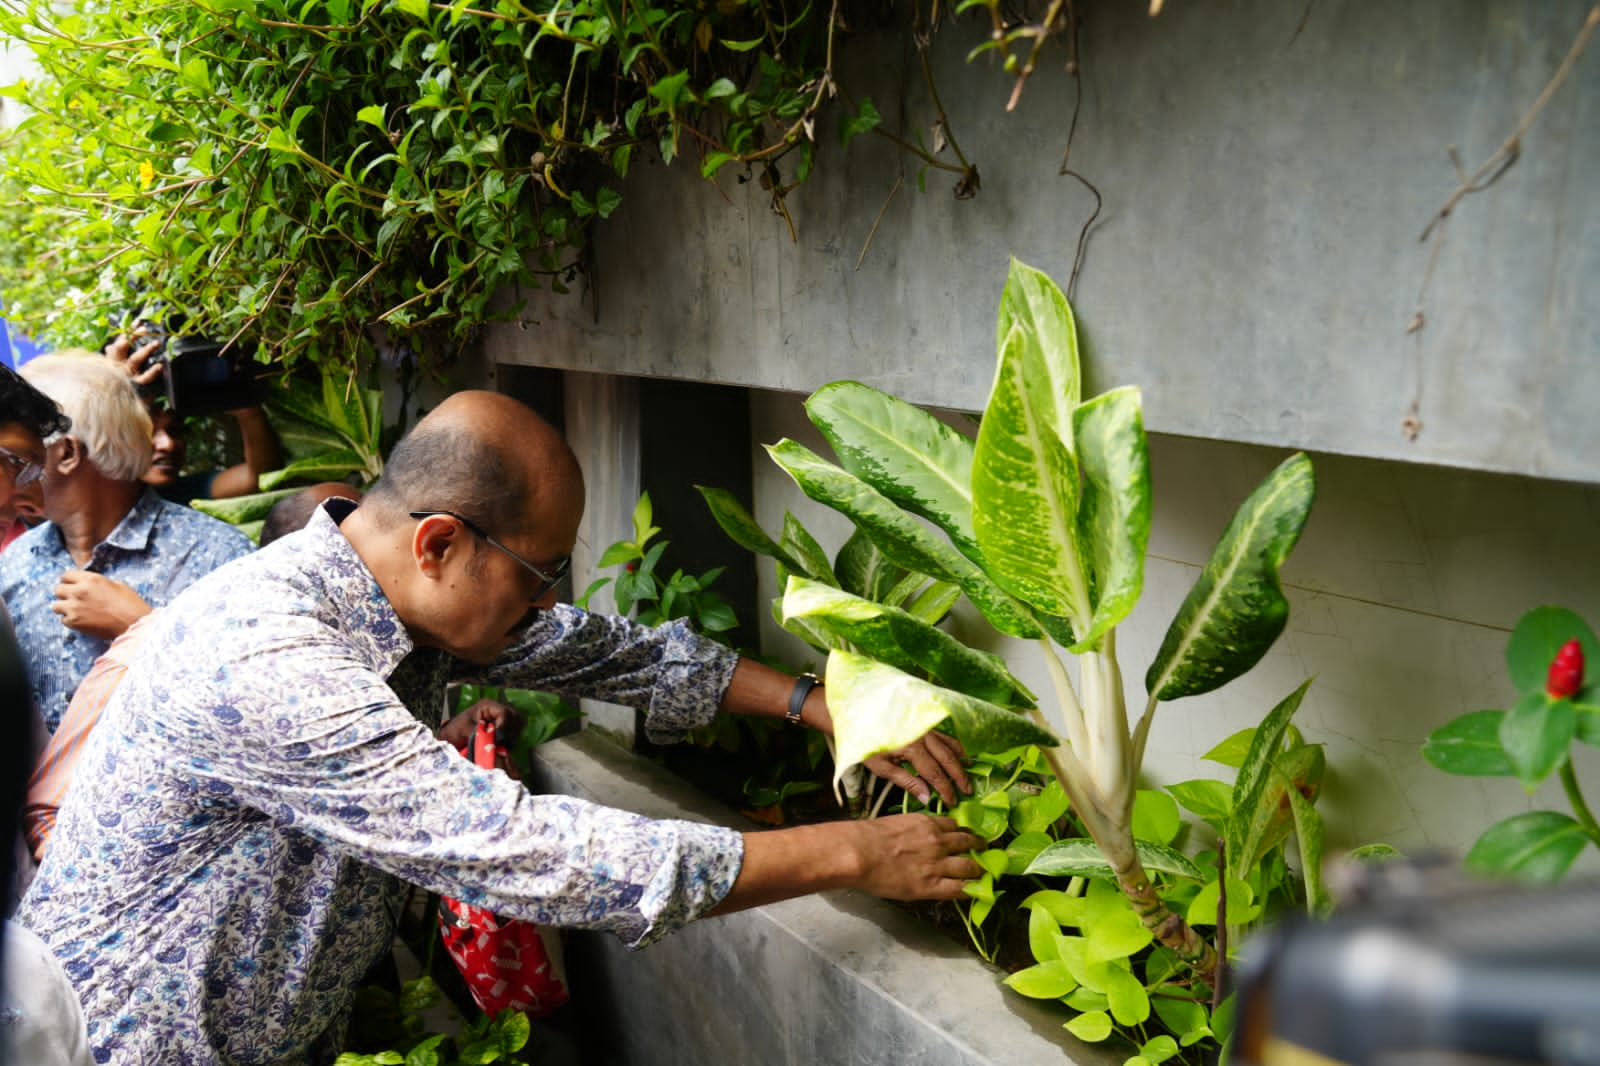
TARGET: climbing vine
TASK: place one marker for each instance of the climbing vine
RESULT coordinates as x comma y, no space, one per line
341,179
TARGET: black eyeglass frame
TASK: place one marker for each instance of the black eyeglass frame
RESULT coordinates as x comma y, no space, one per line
27,472
547,579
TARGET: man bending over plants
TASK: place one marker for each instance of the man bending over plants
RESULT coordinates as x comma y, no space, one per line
266,776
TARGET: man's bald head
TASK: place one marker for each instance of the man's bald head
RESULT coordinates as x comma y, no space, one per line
485,456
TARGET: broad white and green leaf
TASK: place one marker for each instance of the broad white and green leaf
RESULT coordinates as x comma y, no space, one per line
1114,512
896,637
878,709
1082,857
742,528
1025,494
237,510
1308,836
334,465
1035,304
902,451
1236,608
901,536
934,602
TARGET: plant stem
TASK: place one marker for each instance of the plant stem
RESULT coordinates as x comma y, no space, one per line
1569,782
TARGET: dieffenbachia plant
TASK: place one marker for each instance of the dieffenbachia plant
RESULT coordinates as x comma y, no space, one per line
1044,519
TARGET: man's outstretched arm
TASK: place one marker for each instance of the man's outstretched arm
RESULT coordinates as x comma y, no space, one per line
905,856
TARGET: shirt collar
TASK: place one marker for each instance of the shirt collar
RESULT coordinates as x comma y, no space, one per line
355,602
133,532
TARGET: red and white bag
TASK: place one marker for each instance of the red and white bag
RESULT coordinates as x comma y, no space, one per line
507,962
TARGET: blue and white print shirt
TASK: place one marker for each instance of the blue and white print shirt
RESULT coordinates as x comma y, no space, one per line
159,549
227,864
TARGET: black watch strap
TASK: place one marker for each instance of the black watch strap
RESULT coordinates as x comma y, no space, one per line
797,696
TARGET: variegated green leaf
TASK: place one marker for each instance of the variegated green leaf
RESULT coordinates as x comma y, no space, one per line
1081,857
1114,515
742,528
1236,608
900,536
1033,303
865,571
1025,493
902,451
801,545
1308,835
895,637
934,602
237,510
877,708
1245,825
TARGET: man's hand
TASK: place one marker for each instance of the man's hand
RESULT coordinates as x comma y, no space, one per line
96,605
904,856
937,760
915,856
135,362
458,731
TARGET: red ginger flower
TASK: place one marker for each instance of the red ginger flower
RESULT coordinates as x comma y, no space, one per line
1566,672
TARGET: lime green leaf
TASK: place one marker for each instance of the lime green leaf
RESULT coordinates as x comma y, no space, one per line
1236,608
1091,1027
1063,908
1208,798
1536,846
1155,817
1036,814
1158,1049
1047,980
1242,907
1231,752
372,115
1470,746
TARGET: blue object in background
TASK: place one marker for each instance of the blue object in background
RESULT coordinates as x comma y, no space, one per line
16,350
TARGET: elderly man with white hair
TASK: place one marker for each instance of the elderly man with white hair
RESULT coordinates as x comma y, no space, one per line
112,548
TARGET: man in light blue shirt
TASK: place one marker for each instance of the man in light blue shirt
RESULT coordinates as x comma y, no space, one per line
112,549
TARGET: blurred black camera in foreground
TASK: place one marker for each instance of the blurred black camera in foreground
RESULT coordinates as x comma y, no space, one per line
200,375
1425,967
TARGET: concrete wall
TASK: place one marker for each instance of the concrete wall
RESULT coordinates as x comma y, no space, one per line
1256,263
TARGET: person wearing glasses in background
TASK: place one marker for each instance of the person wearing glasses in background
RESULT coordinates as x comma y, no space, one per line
111,549
230,860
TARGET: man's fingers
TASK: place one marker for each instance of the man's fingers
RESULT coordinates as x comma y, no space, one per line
950,754
892,772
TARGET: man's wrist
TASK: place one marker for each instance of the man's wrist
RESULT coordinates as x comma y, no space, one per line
794,714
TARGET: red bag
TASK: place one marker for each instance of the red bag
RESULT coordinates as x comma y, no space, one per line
506,962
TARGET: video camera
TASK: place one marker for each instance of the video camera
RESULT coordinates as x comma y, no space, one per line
199,375
1426,967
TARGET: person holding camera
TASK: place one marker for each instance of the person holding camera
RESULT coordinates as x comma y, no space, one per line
111,548
169,443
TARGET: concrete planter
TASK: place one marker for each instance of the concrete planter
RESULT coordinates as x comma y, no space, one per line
834,979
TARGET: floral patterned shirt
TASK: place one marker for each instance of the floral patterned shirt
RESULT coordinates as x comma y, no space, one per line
227,864
158,548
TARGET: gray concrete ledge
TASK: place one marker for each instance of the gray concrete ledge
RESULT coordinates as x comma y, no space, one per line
835,979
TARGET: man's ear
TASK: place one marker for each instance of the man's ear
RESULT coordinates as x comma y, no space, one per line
68,455
435,539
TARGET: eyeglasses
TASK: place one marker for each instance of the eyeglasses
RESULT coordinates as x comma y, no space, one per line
547,577
24,471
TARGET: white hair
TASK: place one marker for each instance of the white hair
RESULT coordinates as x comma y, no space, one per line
108,417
